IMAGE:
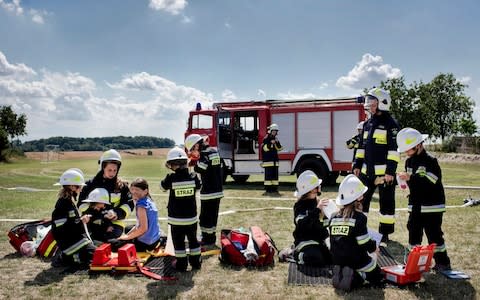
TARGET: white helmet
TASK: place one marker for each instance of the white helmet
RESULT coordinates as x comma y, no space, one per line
306,182
176,154
98,195
191,140
272,127
350,190
360,125
407,138
382,96
111,155
71,177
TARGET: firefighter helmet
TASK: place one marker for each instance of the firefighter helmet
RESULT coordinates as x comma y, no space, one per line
176,154
272,127
111,155
382,96
71,177
407,138
350,190
192,140
98,195
306,182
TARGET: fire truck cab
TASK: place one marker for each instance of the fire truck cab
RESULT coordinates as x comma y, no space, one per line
312,133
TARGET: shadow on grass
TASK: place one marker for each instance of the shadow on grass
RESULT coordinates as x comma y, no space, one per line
437,286
53,275
170,289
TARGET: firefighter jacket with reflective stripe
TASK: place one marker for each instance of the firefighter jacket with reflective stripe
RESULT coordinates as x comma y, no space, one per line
269,150
350,242
426,188
120,198
309,228
67,228
377,153
182,206
209,166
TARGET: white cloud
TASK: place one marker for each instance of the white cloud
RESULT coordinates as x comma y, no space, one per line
227,25
16,7
464,79
186,19
12,6
16,70
293,96
261,93
323,85
228,95
368,72
173,7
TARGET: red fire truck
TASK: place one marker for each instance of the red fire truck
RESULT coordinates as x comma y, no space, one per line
312,133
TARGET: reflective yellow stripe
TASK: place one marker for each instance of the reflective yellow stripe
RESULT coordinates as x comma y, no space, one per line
278,148
387,219
364,169
202,165
49,248
270,182
77,246
119,223
211,196
393,155
369,267
265,148
208,230
83,207
180,253
182,221
360,153
440,248
126,209
196,251
380,169
432,177
363,239
268,164
304,244
380,136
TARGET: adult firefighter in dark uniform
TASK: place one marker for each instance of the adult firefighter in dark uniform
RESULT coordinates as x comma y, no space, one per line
270,147
377,158
209,167
426,202
121,203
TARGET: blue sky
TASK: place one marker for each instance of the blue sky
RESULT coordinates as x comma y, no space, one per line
136,67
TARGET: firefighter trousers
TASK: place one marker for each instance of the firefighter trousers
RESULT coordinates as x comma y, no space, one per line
271,178
387,203
179,232
313,255
431,223
208,220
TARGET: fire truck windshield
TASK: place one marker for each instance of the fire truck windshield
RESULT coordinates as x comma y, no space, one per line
202,122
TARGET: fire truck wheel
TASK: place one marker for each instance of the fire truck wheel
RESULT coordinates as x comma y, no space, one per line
317,166
240,179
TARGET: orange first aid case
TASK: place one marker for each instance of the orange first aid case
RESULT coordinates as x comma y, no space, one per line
419,261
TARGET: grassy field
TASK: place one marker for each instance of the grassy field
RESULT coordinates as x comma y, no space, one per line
35,196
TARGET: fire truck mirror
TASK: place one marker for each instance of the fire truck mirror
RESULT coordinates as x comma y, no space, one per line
361,99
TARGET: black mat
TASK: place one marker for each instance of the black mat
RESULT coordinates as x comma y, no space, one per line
385,258
161,265
307,275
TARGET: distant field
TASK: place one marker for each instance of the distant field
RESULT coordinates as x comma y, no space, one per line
32,278
66,155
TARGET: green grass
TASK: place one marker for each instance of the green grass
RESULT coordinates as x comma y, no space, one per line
33,278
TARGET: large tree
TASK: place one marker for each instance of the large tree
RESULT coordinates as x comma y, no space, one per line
11,125
439,108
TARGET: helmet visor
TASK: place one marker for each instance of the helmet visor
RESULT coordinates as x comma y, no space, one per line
370,98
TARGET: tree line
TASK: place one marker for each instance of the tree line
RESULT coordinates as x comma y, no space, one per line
97,143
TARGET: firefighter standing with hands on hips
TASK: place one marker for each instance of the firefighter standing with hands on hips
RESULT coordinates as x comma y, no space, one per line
426,202
377,158
209,166
270,147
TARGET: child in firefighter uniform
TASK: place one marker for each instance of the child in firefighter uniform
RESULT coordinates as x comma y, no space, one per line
377,158
426,202
99,227
270,147
121,203
354,141
182,209
310,223
209,167
350,243
68,226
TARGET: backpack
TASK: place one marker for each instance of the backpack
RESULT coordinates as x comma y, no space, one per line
37,231
247,248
